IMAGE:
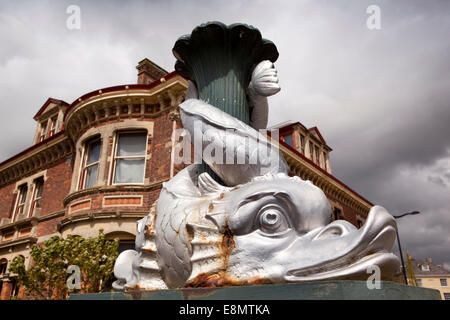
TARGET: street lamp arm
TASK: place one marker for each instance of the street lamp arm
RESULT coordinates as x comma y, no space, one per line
405,214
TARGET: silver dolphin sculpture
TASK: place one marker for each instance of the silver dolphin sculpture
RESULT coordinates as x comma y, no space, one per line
262,226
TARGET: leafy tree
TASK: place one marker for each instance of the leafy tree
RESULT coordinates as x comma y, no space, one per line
411,276
47,277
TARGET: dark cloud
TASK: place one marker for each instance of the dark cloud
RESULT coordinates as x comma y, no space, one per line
380,98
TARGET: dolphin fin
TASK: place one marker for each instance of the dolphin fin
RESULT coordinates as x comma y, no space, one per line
208,185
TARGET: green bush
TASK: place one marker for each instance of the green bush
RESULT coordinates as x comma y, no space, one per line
47,276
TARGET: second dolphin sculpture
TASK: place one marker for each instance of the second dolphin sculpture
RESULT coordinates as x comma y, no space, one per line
258,225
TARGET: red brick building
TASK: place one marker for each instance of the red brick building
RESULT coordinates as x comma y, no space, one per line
99,163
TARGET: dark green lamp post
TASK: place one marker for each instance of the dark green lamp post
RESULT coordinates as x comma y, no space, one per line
400,246
220,59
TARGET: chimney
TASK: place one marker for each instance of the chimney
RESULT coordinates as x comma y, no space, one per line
149,71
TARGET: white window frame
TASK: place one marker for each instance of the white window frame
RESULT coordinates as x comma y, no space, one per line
42,133
52,126
34,198
114,157
302,144
425,267
317,155
18,203
84,156
324,154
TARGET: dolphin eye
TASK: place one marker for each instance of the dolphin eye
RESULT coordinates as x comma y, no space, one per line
272,220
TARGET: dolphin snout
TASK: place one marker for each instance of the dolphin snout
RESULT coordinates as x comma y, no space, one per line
340,249
338,228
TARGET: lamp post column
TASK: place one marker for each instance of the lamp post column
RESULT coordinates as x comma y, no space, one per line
400,247
401,257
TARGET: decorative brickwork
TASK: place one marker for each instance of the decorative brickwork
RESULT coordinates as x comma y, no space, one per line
82,205
24,232
122,201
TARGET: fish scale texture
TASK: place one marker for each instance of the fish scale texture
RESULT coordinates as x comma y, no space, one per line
172,242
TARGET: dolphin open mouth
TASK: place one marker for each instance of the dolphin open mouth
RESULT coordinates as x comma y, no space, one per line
370,246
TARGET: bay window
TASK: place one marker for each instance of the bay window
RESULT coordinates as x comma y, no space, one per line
129,157
90,164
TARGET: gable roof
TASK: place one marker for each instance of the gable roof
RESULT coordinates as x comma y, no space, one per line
316,130
290,124
46,104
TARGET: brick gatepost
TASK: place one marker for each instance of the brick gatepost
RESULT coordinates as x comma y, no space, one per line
6,290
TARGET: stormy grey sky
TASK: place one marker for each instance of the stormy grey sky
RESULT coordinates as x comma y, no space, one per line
381,98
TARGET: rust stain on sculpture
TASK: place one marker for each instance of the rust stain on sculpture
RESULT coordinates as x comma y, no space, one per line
227,244
217,280
151,223
222,278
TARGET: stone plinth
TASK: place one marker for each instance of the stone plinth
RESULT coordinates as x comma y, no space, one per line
325,290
